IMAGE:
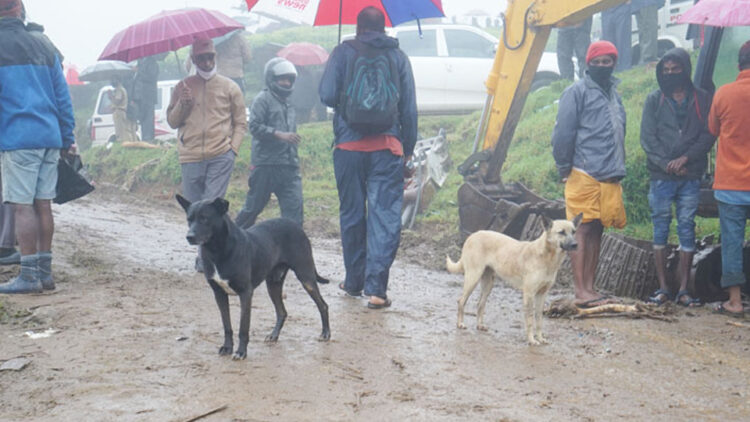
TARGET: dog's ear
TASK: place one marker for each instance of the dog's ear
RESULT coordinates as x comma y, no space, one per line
183,202
221,205
546,222
577,219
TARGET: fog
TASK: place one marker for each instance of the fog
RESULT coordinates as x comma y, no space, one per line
82,28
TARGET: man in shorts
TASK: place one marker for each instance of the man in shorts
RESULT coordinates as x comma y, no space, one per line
36,125
588,144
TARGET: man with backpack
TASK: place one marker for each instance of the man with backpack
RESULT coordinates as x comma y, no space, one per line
369,83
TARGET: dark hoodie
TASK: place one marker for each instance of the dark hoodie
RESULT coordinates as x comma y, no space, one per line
335,73
663,138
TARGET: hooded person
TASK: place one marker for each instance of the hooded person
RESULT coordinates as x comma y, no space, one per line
274,159
676,139
588,144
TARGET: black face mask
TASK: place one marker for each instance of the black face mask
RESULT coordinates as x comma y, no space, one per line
673,81
601,74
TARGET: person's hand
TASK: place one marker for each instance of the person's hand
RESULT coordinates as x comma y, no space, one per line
288,137
72,150
676,165
186,95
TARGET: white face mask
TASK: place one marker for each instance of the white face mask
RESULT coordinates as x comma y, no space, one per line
206,75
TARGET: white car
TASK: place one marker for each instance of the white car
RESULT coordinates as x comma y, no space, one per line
452,62
102,126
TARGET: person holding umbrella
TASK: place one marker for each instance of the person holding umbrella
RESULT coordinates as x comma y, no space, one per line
208,111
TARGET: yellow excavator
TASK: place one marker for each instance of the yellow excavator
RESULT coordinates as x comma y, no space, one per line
487,203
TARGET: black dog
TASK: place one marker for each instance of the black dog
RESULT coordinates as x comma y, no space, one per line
244,258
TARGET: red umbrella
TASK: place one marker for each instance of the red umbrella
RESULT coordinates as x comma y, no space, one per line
718,13
326,12
304,53
71,75
167,31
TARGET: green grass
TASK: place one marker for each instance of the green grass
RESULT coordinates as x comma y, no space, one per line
529,161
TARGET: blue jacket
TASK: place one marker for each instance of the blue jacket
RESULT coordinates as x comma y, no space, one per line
589,132
333,78
35,106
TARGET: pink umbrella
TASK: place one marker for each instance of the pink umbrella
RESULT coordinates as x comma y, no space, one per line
718,13
167,31
304,53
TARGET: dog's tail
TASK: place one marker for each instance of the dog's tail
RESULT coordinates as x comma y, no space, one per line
320,279
453,267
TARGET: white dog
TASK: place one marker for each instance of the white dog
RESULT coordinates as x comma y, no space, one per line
528,266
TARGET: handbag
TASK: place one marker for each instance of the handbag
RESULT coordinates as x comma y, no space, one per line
71,180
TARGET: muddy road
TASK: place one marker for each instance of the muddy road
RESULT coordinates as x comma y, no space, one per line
132,334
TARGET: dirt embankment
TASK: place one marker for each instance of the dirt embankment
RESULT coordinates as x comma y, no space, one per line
134,335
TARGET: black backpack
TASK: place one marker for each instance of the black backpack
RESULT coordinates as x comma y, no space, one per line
370,95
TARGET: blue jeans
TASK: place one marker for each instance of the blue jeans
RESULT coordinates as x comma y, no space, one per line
371,191
732,220
685,194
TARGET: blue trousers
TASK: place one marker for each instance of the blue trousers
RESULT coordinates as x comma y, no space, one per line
284,182
732,219
371,191
685,194
617,28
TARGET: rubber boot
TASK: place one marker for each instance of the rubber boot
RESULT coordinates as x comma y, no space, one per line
27,281
45,270
10,257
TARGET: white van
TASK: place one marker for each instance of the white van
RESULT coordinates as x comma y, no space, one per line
102,127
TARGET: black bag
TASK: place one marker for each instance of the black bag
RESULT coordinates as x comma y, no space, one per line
71,184
371,90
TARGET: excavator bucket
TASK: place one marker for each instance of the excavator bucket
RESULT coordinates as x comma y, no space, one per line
502,208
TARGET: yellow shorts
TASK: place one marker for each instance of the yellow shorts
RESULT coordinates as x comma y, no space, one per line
596,200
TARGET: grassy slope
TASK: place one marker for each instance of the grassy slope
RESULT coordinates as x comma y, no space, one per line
529,161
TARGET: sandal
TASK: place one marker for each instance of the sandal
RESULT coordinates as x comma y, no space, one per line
691,302
348,293
721,310
661,297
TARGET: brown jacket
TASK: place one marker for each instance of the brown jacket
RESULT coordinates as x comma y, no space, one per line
213,124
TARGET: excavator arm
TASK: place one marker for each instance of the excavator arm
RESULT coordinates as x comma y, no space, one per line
484,201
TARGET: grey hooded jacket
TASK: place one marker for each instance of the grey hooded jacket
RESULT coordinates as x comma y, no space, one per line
269,113
661,136
589,132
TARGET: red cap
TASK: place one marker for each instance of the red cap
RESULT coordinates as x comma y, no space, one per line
10,8
601,48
